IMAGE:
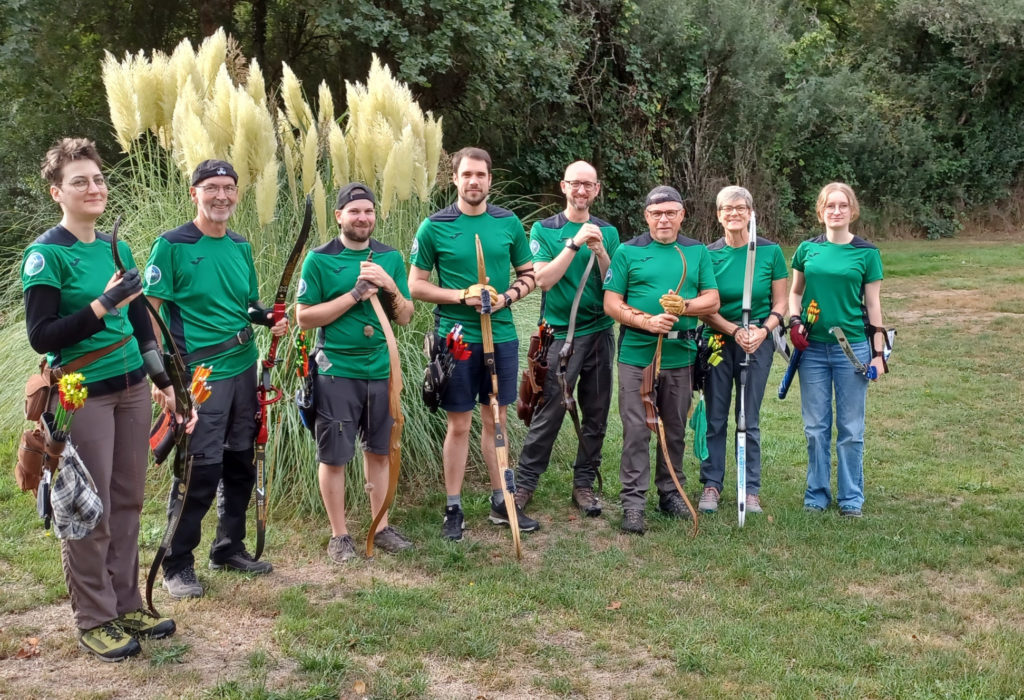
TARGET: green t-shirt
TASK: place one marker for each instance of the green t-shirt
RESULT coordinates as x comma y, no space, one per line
835,276
642,270
81,272
446,241
547,240
730,266
330,271
206,285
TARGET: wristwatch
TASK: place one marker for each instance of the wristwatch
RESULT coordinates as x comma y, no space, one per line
571,245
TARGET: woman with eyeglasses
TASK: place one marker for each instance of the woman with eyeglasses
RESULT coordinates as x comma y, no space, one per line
89,318
843,274
735,207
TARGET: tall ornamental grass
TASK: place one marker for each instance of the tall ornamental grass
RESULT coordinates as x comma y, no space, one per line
169,112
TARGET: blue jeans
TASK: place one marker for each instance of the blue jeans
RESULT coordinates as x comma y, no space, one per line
822,368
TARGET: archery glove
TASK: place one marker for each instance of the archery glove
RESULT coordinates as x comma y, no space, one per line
128,285
798,334
673,304
261,315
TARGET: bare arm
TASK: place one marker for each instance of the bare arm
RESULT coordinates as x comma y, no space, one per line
796,293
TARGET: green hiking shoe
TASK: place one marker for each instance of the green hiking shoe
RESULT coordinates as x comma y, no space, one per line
108,642
139,623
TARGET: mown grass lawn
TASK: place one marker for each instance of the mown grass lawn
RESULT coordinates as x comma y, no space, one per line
922,598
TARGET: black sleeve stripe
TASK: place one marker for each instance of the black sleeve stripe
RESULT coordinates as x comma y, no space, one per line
720,243
331,247
555,222
58,235
448,214
643,240
498,212
379,247
687,242
859,242
188,233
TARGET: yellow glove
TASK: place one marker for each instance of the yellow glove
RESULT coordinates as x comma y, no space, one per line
474,290
673,304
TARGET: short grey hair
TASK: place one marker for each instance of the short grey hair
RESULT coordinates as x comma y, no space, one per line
727,194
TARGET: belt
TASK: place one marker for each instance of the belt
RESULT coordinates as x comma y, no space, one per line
671,335
240,338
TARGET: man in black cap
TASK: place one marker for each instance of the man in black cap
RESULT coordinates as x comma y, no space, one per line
351,359
651,291
201,276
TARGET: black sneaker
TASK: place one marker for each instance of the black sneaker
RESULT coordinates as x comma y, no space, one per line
243,561
108,642
499,516
633,521
391,540
139,623
583,497
673,505
453,523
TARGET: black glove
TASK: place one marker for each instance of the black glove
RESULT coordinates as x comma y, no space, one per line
261,315
128,285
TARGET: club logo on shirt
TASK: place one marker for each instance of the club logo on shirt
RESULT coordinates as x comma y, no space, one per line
608,276
339,269
415,247
153,275
196,261
455,235
302,287
534,247
74,263
643,260
34,264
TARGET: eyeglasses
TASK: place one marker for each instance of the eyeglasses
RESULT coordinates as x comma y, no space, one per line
670,214
214,189
81,184
738,209
576,184
837,207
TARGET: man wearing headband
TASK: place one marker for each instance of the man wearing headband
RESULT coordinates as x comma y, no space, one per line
201,277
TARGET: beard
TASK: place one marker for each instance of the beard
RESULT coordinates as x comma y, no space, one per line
473,197
359,235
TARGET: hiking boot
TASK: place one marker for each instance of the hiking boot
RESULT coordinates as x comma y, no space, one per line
243,561
391,540
523,497
108,642
633,521
709,500
813,509
453,523
673,505
140,623
341,548
850,512
583,497
184,584
753,504
499,516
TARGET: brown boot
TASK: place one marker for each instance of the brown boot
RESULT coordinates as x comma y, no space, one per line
523,497
583,498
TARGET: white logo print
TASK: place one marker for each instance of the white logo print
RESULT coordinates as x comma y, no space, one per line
302,287
608,276
534,247
153,275
34,264
415,247
222,171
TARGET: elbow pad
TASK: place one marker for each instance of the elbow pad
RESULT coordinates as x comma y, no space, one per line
154,364
261,315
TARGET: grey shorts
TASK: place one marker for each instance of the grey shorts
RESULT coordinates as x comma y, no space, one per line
227,420
346,406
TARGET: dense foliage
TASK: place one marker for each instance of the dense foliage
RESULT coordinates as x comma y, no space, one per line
913,102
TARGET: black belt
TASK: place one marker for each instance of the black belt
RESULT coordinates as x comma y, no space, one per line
240,338
671,335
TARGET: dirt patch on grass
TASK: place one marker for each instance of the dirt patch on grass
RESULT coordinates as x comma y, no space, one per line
970,309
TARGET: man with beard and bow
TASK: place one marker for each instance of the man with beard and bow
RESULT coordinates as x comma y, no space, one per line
351,356
446,241
563,246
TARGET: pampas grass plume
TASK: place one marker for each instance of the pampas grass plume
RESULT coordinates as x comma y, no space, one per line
217,114
320,208
310,150
255,85
295,107
120,88
432,142
210,60
266,193
338,149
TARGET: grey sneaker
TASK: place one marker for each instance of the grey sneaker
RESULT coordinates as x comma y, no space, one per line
583,497
523,497
709,500
850,512
341,549
753,504
184,584
391,540
672,505
633,521
243,561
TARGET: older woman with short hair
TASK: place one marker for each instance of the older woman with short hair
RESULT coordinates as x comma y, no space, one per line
735,207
